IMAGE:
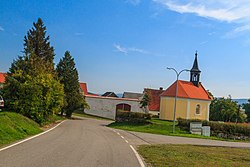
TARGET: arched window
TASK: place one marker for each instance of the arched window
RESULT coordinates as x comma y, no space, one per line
198,109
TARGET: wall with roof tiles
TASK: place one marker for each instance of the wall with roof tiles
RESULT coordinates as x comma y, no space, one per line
106,107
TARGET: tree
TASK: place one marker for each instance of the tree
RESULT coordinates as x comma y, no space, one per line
31,87
68,75
38,43
246,106
225,109
145,102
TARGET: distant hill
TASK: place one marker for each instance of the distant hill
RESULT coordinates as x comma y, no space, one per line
241,101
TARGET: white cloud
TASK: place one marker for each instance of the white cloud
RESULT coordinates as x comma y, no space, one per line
133,2
129,50
230,11
1,28
138,50
120,49
203,42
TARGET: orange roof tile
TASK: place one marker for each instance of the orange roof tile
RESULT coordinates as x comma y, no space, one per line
154,96
2,77
187,90
83,87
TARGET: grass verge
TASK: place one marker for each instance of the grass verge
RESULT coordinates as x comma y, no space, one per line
188,155
14,127
53,119
157,126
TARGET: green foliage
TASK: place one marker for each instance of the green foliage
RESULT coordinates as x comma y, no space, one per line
247,110
185,123
145,101
14,127
133,117
68,75
37,42
31,87
36,97
225,130
226,110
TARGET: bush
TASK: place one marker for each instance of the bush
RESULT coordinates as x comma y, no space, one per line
133,117
224,130
36,97
185,123
155,116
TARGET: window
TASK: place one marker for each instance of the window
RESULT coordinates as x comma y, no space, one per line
198,110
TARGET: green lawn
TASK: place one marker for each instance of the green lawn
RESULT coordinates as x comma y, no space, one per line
157,126
194,156
14,127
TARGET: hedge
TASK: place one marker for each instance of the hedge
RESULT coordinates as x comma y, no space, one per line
133,117
224,130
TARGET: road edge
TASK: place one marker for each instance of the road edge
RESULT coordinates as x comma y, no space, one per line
32,137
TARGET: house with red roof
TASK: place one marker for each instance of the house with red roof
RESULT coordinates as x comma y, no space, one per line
2,79
84,89
193,101
154,99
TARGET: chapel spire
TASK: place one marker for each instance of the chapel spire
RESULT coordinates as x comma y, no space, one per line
195,72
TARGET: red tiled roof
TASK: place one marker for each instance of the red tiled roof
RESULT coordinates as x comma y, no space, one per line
2,77
154,96
187,90
83,87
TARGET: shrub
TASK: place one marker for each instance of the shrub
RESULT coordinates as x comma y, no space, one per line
133,117
38,97
155,116
219,129
185,123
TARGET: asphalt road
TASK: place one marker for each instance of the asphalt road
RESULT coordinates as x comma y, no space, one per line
75,143
89,143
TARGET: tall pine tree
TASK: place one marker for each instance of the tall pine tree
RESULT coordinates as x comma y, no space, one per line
68,75
38,43
31,87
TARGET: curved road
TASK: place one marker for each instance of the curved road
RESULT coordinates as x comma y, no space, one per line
75,143
89,143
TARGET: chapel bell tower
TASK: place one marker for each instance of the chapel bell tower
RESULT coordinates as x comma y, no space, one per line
195,72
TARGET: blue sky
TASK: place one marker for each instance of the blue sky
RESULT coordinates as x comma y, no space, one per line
126,45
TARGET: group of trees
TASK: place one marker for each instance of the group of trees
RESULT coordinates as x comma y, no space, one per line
227,110
246,107
34,87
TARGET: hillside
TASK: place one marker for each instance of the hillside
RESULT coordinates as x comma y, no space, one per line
14,127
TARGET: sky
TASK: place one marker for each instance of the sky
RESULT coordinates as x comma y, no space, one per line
127,45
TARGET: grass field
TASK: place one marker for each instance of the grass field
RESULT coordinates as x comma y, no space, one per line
156,126
14,127
194,156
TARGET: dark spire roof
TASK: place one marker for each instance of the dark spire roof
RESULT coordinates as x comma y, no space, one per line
195,65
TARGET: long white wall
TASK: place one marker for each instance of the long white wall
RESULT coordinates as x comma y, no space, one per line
106,106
